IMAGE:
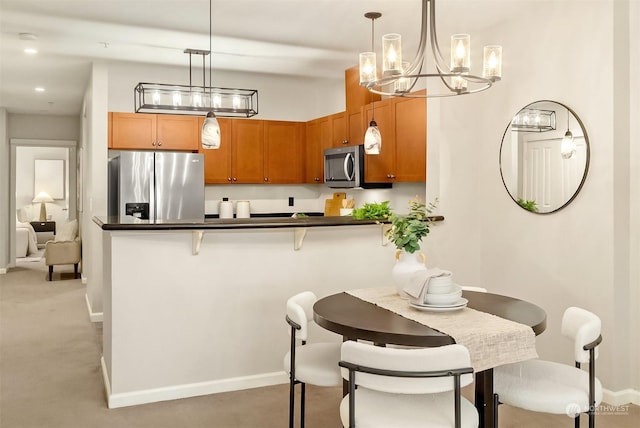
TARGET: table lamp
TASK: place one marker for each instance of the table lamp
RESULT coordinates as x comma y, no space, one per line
43,198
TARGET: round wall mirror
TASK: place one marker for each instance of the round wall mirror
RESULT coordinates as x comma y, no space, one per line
544,157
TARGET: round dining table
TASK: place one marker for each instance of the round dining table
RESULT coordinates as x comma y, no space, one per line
356,319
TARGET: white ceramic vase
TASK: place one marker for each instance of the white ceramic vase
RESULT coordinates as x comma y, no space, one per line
406,265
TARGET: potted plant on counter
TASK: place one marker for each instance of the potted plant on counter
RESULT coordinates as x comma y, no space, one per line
406,233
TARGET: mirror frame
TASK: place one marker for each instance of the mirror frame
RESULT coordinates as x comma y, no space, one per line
587,157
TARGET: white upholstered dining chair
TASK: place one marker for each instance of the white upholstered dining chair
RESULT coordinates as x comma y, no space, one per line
417,387
312,363
550,387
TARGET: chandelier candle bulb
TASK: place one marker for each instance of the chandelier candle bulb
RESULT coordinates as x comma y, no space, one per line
368,70
391,54
492,63
402,84
460,53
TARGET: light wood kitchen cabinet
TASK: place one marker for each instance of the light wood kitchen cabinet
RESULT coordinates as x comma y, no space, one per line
283,152
339,130
139,131
247,151
318,138
239,158
356,127
402,124
411,139
217,162
381,168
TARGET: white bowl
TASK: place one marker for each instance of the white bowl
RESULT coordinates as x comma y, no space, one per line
440,285
444,298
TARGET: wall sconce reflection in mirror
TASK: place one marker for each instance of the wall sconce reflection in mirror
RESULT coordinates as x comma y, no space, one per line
534,120
541,173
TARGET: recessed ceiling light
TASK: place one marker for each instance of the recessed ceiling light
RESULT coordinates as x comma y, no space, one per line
31,51
39,89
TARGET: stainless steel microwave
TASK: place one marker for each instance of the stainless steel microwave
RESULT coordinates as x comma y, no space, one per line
344,167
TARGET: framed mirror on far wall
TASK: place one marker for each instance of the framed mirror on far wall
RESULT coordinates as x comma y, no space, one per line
544,156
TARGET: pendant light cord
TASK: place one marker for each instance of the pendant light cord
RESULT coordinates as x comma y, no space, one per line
372,50
210,60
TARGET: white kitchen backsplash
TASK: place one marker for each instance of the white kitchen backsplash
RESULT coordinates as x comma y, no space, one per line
275,198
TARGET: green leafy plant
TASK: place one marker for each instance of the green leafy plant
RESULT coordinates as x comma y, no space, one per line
372,211
528,205
407,231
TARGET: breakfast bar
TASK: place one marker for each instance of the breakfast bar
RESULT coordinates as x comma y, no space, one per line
180,323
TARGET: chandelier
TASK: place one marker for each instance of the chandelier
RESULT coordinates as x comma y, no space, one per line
400,77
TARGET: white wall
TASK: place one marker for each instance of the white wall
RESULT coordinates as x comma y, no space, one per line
279,98
4,191
94,198
580,255
44,127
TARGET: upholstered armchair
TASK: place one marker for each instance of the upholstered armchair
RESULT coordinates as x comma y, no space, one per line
65,249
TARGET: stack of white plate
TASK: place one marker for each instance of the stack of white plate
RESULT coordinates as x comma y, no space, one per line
440,294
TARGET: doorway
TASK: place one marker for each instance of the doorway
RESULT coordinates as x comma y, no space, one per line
26,156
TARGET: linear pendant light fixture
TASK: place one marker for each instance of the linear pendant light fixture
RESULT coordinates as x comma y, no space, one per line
196,100
399,77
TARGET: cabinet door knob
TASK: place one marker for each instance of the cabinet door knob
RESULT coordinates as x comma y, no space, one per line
235,179
317,179
159,143
153,143
392,176
228,178
266,179
345,141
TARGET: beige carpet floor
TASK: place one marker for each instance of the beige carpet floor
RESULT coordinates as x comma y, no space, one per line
50,374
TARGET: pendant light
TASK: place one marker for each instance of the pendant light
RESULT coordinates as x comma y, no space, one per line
568,145
372,137
210,128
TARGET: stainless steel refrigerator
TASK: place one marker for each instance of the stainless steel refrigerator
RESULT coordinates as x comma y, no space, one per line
157,185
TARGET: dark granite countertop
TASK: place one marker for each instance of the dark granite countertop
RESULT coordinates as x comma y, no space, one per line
255,222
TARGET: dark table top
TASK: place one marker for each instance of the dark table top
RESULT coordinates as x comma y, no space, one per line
354,318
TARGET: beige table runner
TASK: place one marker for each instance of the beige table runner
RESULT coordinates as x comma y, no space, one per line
492,341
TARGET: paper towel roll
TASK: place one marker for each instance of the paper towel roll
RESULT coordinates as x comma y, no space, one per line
226,209
243,209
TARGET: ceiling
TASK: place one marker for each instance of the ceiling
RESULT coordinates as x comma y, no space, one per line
314,38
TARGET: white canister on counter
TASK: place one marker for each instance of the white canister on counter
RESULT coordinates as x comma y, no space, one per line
226,209
243,209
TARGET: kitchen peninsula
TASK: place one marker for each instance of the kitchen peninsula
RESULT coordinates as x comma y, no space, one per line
194,308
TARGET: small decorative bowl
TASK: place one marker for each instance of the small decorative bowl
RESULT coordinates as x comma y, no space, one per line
443,298
440,284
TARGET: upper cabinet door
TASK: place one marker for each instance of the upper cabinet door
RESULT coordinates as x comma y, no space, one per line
177,132
283,152
217,162
339,130
381,168
411,138
314,150
133,131
247,151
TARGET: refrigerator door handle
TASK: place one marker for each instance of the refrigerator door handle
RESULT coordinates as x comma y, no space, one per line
153,215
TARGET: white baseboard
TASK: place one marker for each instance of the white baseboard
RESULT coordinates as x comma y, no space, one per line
83,279
93,316
619,398
188,390
3,271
